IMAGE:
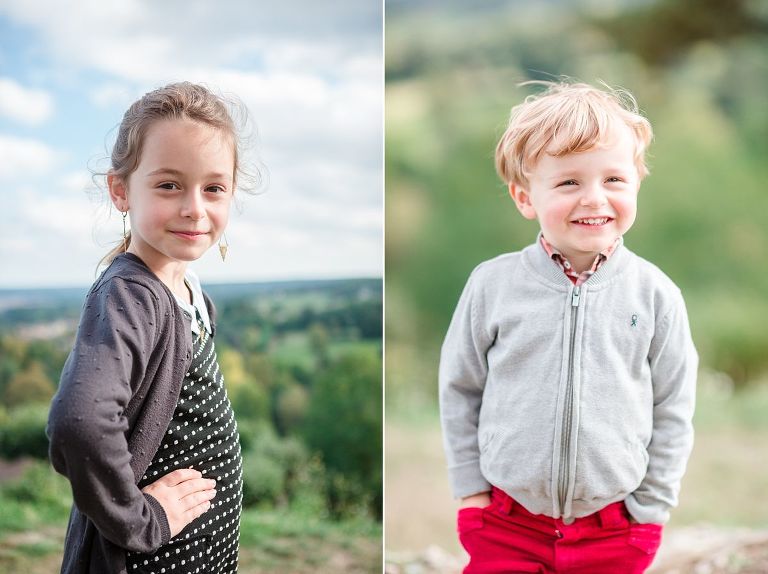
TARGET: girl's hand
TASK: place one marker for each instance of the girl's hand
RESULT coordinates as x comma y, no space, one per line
480,500
184,495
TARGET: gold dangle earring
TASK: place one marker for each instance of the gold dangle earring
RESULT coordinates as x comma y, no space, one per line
223,246
125,233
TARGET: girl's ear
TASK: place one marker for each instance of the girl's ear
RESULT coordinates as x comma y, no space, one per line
522,199
117,191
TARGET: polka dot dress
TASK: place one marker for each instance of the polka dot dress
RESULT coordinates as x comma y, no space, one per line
202,435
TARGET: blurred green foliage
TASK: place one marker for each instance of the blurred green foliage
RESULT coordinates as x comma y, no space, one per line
344,423
453,74
28,368
38,498
40,485
271,466
22,432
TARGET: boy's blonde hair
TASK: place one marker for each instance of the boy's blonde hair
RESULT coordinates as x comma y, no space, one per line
573,117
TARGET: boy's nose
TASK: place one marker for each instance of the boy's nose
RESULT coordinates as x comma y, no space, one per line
593,196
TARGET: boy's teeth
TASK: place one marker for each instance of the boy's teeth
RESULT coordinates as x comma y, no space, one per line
600,221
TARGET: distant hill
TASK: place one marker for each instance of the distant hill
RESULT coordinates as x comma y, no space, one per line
222,292
43,297
30,306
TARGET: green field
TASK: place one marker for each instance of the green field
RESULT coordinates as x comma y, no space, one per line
33,517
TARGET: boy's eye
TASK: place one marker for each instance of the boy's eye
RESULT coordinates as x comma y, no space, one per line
614,180
567,182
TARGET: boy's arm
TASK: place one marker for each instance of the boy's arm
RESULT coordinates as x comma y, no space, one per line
674,363
463,369
87,427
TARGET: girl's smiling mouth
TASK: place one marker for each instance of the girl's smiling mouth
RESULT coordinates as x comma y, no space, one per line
192,235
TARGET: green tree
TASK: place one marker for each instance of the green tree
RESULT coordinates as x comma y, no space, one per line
344,424
251,401
659,32
22,432
319,342
31,385
291,408
12,353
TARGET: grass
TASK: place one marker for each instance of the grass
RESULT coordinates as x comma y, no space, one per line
271,541
296,349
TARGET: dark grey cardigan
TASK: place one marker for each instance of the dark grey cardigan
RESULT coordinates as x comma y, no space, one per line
117,394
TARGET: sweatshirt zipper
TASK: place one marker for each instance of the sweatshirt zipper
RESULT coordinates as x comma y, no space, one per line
565,444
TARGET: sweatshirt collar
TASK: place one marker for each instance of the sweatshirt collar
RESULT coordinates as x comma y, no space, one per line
566,266
542,263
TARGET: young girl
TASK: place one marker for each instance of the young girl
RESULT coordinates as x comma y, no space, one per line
141,424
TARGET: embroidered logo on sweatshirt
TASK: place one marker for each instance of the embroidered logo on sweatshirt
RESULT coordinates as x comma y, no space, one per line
634,321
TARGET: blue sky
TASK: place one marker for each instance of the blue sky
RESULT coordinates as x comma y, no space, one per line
310,74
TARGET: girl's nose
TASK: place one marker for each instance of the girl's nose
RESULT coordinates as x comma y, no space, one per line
193,205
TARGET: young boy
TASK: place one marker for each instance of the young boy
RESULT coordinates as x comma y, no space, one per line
568,373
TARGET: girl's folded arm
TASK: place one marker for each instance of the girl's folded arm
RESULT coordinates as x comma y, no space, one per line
87,427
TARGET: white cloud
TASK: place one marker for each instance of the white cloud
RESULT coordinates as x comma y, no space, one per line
312,79
46,237
112,94
144,41
24,105
308,116
24,158
65,218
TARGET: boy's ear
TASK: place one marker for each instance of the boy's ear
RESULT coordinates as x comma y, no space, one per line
522,200
118,191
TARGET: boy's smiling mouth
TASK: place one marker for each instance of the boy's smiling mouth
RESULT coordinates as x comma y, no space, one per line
593,221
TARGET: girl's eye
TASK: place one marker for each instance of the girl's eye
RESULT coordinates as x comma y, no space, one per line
216,189
168,185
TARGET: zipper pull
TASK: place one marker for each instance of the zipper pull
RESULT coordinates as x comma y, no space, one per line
575,297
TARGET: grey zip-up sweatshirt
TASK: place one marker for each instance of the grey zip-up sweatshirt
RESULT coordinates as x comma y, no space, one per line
569,398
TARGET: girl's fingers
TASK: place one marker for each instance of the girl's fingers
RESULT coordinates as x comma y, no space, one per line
198,498
196,511
195,485
180,475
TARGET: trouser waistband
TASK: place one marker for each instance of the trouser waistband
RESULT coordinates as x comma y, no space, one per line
614,515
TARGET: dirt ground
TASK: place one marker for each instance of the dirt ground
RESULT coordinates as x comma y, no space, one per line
419,510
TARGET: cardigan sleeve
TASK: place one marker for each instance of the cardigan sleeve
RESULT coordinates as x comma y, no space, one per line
86,425
462,374
673,361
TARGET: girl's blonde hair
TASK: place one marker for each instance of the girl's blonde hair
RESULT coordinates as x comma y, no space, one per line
572,117
182,100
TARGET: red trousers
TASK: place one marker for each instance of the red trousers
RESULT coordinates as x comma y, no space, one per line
504,538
